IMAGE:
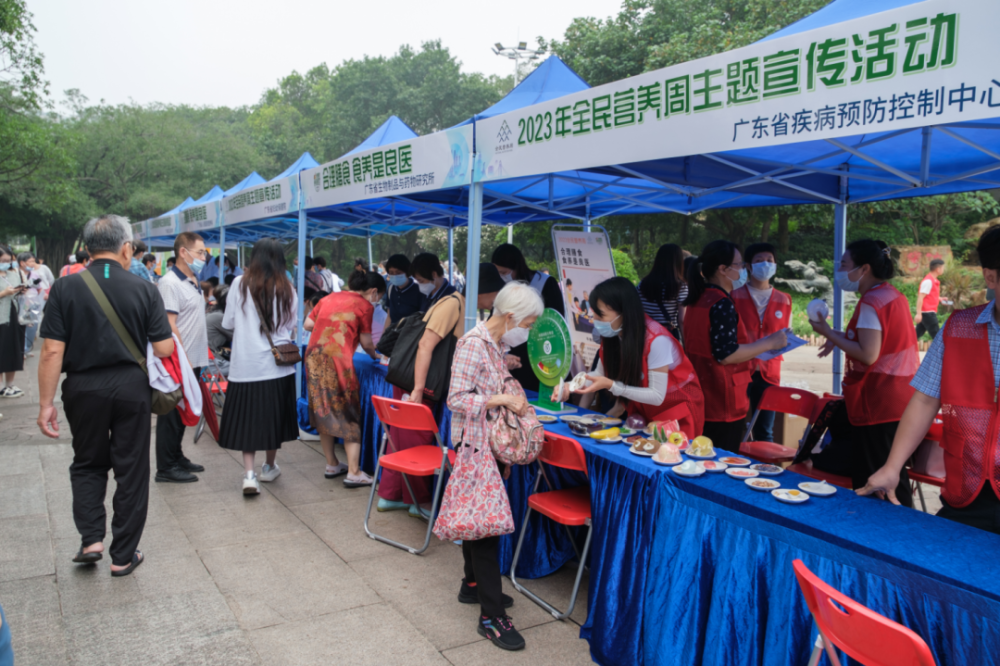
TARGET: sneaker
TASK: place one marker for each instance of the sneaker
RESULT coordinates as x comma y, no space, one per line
269,473
250,484
336,470
11,392
388,505
417,511
307,436
501,632
468,595
360,481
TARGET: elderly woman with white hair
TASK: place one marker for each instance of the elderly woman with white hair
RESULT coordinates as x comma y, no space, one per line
478,376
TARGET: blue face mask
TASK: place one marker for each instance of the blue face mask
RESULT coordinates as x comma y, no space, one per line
397,280
197,265
764,270
5,266
743,279
605,328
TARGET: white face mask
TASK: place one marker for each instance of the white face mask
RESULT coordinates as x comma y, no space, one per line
845,282
507,277
515,337
426,288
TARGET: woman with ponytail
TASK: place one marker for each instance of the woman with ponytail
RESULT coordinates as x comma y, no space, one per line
881,348
717,342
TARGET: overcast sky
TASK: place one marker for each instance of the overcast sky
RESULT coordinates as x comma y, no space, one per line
216,52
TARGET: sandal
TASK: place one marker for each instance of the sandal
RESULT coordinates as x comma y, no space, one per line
335,471
87,558
137,559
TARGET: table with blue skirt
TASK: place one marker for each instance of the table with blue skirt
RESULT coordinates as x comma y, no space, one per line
699,570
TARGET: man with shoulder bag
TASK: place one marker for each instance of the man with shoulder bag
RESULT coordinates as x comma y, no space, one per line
106,393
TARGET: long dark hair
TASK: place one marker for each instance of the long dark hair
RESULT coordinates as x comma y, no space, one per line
664,281
715,254
265,281
509,256
875,253
622,354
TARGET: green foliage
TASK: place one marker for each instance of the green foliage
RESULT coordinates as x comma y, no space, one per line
623,266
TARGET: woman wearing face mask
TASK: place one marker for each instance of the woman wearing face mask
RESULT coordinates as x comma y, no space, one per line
511,265
641,362
12,285
716,341
428,273
337,324
763,310
376,282
404,295
881,348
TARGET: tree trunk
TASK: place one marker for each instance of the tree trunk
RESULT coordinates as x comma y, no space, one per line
765,228
685,227
54,251
783,214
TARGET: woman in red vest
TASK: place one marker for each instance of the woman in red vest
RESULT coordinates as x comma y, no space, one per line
881,348
717,343
763,310
641,363
960,373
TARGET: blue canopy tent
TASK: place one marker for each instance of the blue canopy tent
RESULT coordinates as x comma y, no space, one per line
160,231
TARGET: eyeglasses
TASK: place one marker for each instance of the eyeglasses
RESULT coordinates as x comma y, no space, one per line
738,266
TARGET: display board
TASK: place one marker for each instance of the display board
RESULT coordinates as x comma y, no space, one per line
201,216
903,68
550,351
272,199
585,261
165,225
432,162
139,230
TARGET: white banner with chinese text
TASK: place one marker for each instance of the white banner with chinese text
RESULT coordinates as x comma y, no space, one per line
201,216
272,199
165,225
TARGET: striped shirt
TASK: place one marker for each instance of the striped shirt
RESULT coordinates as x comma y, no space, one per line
664,312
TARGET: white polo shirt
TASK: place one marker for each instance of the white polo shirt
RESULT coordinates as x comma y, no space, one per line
182,296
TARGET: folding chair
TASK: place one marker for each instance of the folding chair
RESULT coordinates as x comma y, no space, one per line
806,468
570,507
213,390
782,400
416,461
864,635
935,433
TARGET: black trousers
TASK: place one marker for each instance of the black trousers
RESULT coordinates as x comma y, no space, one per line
928,324
726,435
870,447
983,512
169,434
110,430
483,569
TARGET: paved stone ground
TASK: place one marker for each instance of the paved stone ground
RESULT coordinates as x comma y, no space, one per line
288,577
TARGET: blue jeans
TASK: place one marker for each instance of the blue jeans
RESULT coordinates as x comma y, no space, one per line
763,429
29,338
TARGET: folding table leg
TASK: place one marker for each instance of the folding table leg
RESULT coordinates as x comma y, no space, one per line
920,494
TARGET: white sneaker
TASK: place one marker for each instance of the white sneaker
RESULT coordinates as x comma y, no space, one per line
250,484
268,473
11,392
307,437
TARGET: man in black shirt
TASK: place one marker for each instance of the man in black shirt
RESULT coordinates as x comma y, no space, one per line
106,394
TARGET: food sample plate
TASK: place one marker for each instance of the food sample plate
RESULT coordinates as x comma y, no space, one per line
690,454
735,461
762,484
641,453
609,421
546,418
570,418
767,470
790,496
741,473
607,440
665,464
627,432
712,466
682,472
817,488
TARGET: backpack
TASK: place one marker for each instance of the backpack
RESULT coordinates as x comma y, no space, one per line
515,440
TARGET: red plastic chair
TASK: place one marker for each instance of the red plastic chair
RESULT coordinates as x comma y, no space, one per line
935,433
806,468
782,400
569,507
860,632
416,461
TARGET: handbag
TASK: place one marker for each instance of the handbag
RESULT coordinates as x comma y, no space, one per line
161,403
387,343
403,360
287,353
475,504
515,440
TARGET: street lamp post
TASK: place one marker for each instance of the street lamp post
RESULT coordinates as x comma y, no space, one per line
517,54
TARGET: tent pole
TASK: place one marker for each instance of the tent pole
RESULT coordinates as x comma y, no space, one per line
839,247
222,255
510,234
370,262
312,248
451,253
300,287
472,256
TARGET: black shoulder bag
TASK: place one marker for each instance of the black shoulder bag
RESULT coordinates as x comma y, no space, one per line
403,359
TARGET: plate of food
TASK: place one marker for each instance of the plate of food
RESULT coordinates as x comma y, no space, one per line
789,496
667,454
607,434
701,448
546,418
577,429
611,439
570,418
762,484
741,473
821,488
609,421
645,447
712,466
767,470
735,461
627,432
688,468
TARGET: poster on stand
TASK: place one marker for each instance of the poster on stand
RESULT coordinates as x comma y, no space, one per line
585,260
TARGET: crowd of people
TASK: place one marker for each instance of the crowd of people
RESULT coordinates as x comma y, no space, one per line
683,344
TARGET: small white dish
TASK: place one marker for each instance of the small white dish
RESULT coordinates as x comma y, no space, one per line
640,453
607,440
666,464
741,473
762,485
609,421
570,418
691,455
735,461
712,466
818,488
545,418
784,495
766,469
685,470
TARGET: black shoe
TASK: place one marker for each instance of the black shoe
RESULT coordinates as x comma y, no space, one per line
189,466
175,475
501,632
468,595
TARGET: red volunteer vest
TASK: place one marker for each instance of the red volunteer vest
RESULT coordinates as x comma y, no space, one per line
880,392
970,409
724,386
777,316
932,299
682,384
